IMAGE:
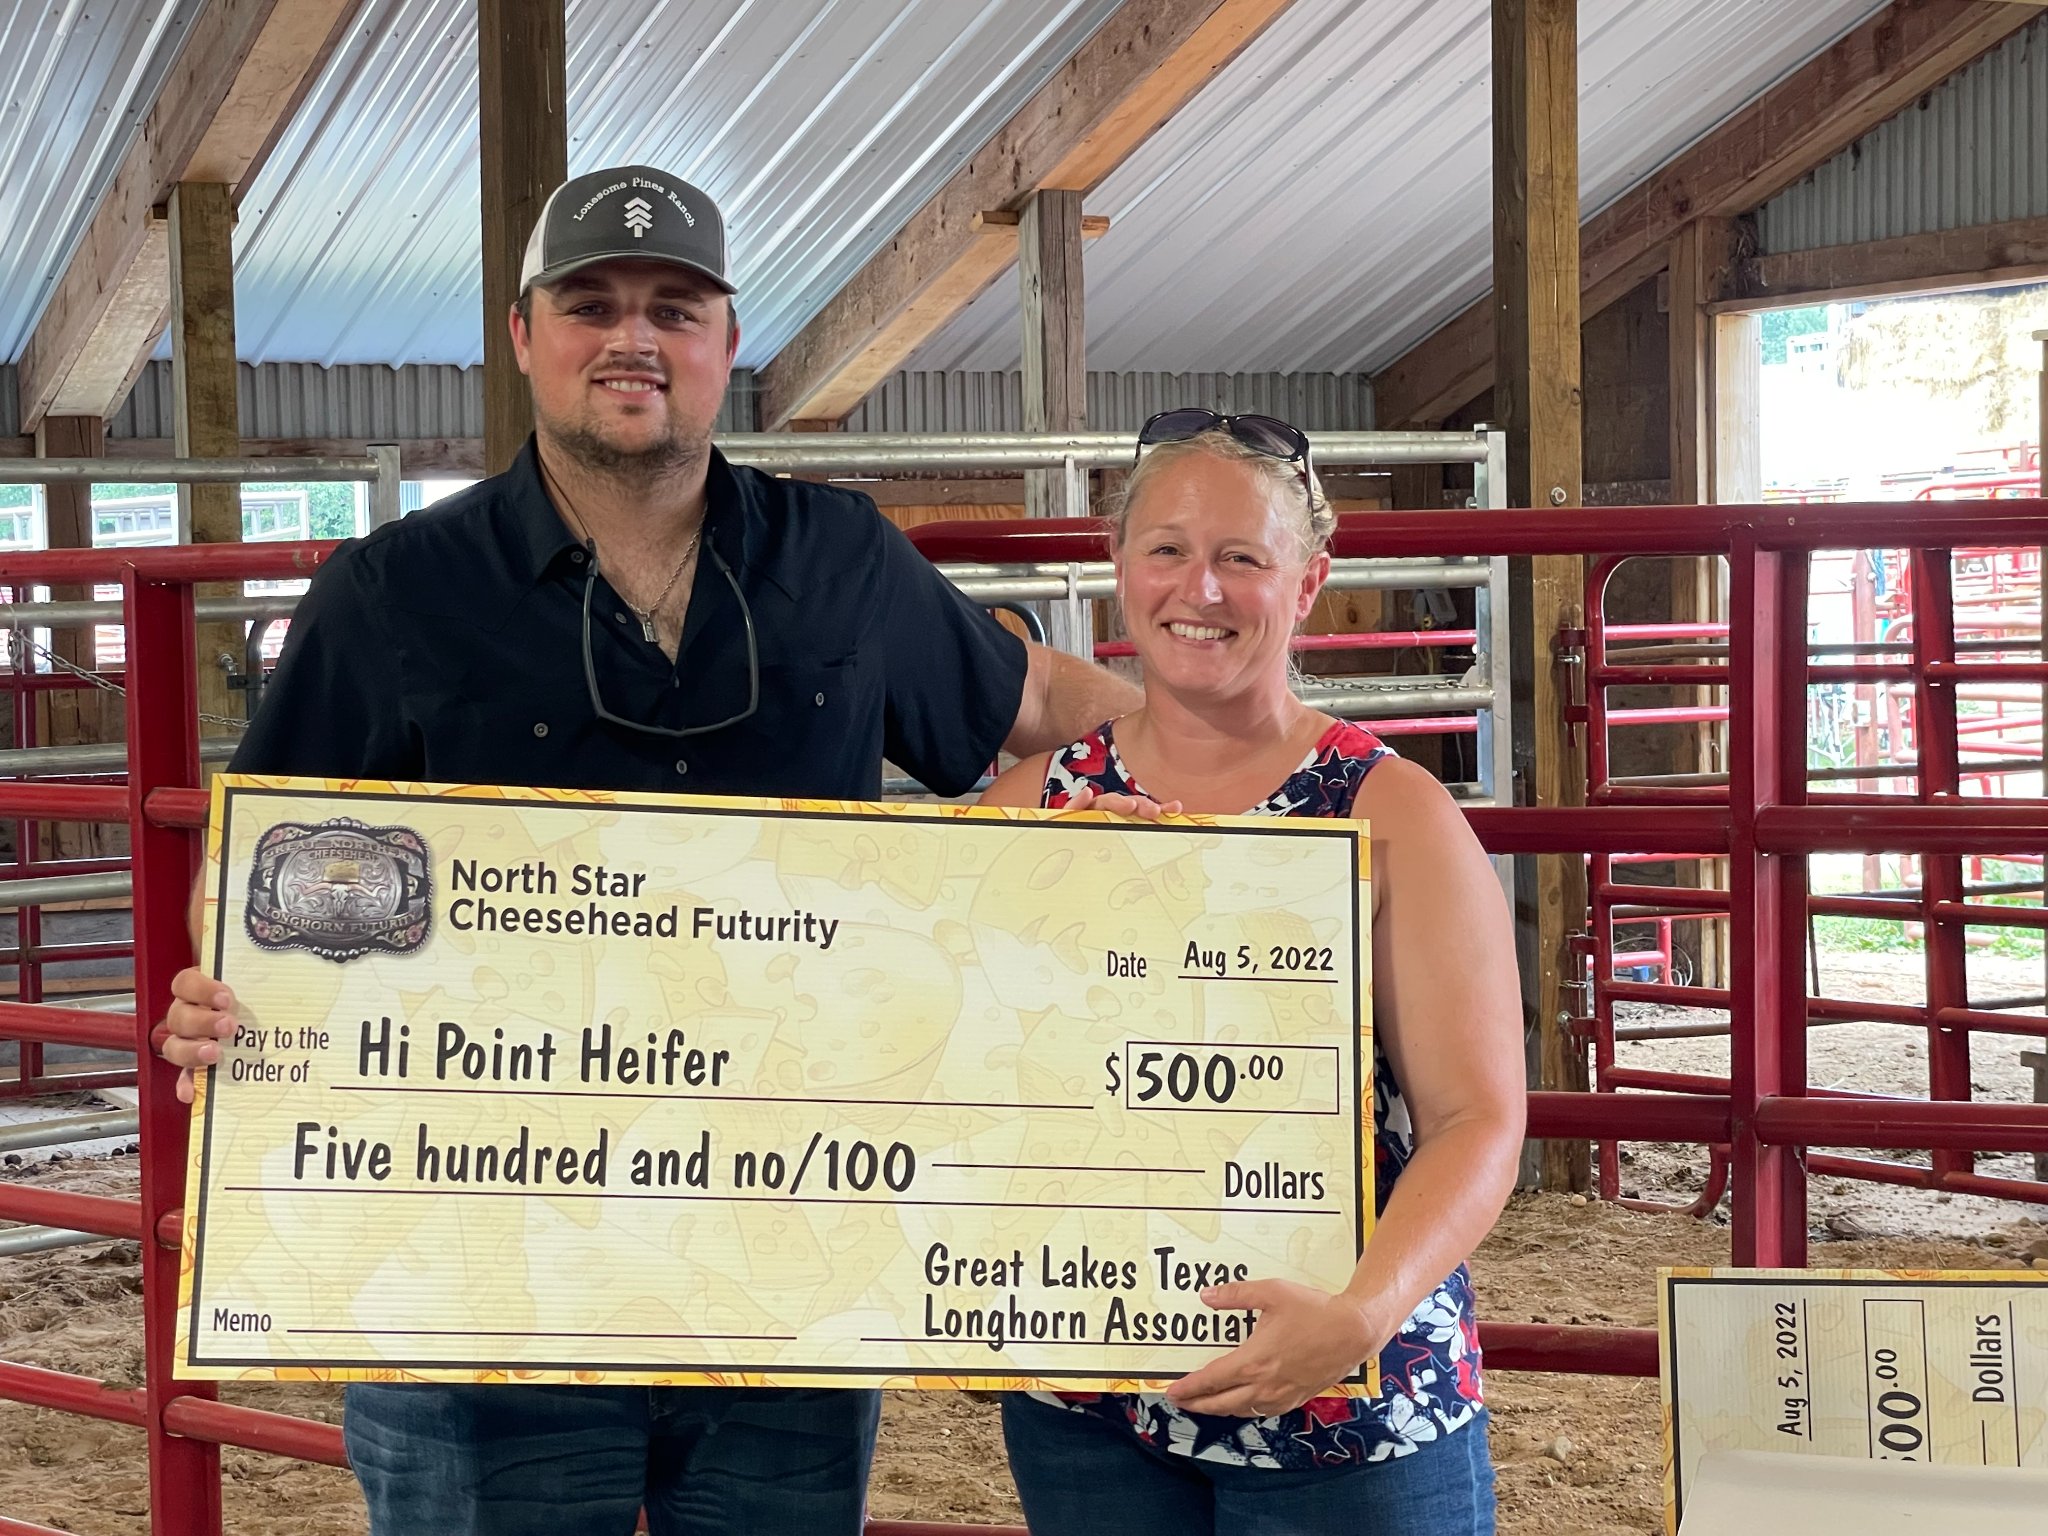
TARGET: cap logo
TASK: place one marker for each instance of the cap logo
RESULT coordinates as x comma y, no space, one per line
639,216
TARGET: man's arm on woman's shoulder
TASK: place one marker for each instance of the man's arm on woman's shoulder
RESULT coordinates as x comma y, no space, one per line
1064,699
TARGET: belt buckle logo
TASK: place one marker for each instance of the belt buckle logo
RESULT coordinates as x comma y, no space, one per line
340,889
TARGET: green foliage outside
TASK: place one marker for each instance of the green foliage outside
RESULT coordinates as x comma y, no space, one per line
1874,935
1781,325
1869,935
330,507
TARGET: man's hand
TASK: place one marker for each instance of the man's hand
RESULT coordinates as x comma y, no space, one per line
1140,807
1306,1341
201,1015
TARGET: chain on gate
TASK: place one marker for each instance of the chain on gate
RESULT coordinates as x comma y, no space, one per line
23,645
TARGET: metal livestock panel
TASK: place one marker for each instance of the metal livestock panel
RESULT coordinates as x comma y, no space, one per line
1972,151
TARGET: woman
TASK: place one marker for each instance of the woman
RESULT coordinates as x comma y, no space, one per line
1220,554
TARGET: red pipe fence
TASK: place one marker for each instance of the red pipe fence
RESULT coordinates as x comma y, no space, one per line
1764,1113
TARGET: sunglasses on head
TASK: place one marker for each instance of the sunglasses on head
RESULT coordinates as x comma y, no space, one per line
1268,435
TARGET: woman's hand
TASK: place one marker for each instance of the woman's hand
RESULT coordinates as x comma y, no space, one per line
1143,808
201,1015
1306,1341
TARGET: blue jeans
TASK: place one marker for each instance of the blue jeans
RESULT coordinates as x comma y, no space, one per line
1078,1475
581,1461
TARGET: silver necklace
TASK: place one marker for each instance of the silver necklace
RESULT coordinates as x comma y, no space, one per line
646,615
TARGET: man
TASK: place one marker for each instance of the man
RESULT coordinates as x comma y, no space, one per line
623,609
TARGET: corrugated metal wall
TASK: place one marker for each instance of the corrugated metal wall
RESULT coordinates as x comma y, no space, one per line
1117,402
1974,151
287,400
306,400
354,400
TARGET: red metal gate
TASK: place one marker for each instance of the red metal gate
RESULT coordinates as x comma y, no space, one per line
1764,1113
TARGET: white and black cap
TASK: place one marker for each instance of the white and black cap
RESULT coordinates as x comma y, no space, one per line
631,212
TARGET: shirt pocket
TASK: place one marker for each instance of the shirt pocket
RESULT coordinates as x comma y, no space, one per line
818,723
799,683
531,742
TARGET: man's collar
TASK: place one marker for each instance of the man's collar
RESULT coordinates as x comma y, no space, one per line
732,514
539,535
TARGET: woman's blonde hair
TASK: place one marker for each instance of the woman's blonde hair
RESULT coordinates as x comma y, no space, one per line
1314,519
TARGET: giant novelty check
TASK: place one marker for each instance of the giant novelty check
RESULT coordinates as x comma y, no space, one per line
546,1085
1886,1365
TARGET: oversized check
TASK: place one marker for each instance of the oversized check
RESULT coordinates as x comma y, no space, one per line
1885,1365
559,1086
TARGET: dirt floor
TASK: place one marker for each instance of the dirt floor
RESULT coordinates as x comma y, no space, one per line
1575,1454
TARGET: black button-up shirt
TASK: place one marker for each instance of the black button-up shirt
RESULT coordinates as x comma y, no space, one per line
449,648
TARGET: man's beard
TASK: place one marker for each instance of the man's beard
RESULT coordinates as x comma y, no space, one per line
592,452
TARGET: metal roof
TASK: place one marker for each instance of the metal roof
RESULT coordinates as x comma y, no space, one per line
1326,201
1973,151
1117,402
820,126
1319,206
76,80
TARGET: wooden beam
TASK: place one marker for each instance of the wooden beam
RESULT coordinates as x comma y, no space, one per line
1736,472
1051,300
1807,118
67,509
1536,248
1051,294
117,348
1143,64
297,40
71,717
1704,258
67,524
1626,390
522,52
245,67
990,252
1979,256
205,410
1537,395
2041,438
1440,373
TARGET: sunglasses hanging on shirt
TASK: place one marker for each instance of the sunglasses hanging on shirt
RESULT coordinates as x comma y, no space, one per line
646,727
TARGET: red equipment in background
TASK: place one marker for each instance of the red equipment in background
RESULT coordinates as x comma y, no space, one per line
1767,827
30,954
1910,614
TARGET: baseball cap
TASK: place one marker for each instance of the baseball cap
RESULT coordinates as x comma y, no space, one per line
629,212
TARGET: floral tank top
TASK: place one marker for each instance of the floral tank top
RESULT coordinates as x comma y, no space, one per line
1429,1372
